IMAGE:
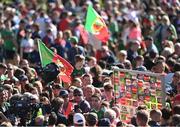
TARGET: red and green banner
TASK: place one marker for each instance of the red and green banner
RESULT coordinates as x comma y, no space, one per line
96,25
47,56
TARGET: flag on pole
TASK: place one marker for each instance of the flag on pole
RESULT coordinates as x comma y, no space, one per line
96,25
47,56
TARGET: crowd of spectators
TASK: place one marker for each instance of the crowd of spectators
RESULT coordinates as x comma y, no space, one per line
144,36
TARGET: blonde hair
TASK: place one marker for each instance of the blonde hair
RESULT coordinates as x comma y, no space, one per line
166,19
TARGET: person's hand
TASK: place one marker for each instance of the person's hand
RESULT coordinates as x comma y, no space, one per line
3,118
1,41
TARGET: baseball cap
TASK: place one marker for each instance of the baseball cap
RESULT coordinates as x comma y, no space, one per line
148,38
104,122
77,91
23,78
78,119
73,39
63,93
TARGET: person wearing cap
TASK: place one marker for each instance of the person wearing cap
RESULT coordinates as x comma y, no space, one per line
79,120
134,28
10,75
23,81
104,122
68,105
74,50
150,46
79,69
81,104
132,52
56,88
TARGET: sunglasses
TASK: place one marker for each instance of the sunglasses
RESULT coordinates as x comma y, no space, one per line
77,95
65,96
56,87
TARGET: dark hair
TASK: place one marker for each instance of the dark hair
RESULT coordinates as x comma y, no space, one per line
176,67
166,113
70,119
175,120
96,70
52,118
96,96
57,103
108,87
139,57
143,116
171,62
79,58
142,107
119,124
176,109
45,94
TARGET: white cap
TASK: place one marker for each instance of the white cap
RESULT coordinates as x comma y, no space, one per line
78,119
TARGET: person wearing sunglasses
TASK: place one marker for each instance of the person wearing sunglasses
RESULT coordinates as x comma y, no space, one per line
56,89
81,104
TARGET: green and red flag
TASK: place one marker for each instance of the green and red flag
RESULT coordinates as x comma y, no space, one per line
47,56
96,25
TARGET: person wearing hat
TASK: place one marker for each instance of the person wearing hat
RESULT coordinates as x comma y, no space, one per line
150,46
68,105
132,52
74,50
79,120
10,75
81,104
104,122
56,88
79,69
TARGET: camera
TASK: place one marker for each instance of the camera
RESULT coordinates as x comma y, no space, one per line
50,72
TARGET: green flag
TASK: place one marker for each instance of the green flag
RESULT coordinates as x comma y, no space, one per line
96,25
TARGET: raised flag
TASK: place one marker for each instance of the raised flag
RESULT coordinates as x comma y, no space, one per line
96,25
47,56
